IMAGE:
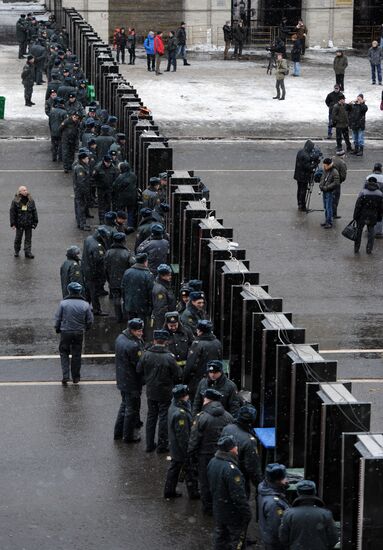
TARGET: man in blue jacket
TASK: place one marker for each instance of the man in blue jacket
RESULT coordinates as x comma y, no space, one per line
149,48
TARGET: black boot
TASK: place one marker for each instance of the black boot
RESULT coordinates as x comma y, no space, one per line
186,62
356,150
360,152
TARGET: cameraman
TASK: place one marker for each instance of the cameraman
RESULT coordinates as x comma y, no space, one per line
304,168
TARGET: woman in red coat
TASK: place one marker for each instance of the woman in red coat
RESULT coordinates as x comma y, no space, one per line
158,51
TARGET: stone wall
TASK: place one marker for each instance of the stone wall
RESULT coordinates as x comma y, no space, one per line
95,12
329,21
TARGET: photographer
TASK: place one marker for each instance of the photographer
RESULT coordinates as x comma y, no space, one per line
305,166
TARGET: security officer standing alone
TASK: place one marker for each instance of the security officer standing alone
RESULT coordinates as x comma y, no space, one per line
231,509
179,426
129,347
73,317
205,432
161,373
28,79
272,504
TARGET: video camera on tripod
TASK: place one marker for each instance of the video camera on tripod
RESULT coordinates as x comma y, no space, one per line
315,156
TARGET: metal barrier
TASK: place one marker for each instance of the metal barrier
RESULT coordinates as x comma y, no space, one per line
317,424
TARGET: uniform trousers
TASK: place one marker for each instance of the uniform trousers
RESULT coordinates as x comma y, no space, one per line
128,417
71,344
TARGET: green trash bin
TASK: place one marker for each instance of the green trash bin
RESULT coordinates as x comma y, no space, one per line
2,106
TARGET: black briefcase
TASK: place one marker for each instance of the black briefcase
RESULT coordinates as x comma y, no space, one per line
350,231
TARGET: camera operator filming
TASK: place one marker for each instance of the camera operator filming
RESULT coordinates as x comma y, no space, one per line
306,164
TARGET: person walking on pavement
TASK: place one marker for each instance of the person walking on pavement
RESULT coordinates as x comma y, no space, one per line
205,433
331,100
180,337
340,123
181,41
308,524
159,50
248,459
70,270
171,48
329,183
28,79
206,347
272,504
357,120
281,71
81,187
136,290
94,268
149,49
129,347
160,372
216,379
368,211
23,218
228,37
121,40
375,59
69,139
117,260
73,317
340,65
231,510
162,295
179,426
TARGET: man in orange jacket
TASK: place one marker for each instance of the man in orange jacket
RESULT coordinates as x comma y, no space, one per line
158,51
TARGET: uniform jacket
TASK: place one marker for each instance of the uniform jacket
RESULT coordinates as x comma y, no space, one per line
103,144
144,230
150,198
128,351
369,205
74,314
23,212
117,260
272,504
303,165
160,372
57,116
104,176
230,400
21,30
81,180
158,45
248,459
205,348
163,301
70,272
329,180
64,90
207,428
157,251
179,426
340,64
136,286
125,190
191,315
375,55
69,130
93,256
230,504
308,524
74,107
28,74
39,52
357,116
180,342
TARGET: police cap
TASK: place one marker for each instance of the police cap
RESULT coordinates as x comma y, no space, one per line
212,394
247,414
75,288
161,334
214,365
205,326
157,229
164,269
195,284
136,323
146,212
141,258
275,472
172,317
196,296
154,181
110,216
122,215
82,155
180,390
119,237
226,443
306,487
163,175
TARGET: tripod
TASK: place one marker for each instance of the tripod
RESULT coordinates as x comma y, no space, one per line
309,191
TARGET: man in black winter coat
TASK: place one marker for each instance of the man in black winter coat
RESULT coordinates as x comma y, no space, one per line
39,52
117,260
93,266
231,509
129,347
179,426
228,37
81,188
69,138
181,338
28,79
248,459
308,524
181,41
219,381
206,347
357,121
121,40
156,247
331,100
124,193
205,433
136,288
272,504
23,218
162,295
70,270
303,173
368,211
105,173
194,311
160,371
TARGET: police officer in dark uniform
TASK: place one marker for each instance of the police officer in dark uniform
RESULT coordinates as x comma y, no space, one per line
117,260
179,426
57,115
22,35
183,300
136,289
205,348
73,105
145,226
150,197
28,79
129,347
205,432
110,226
81,187
248,459
94,268
70,270
194,311
308,524
104,141
181,338
69,139
163,295
104,175
156,247
272,504
219,381
231,509
161,373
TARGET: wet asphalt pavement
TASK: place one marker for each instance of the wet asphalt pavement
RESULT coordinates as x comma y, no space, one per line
65,483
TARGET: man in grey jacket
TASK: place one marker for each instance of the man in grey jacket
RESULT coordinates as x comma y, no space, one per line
375,59
73,317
